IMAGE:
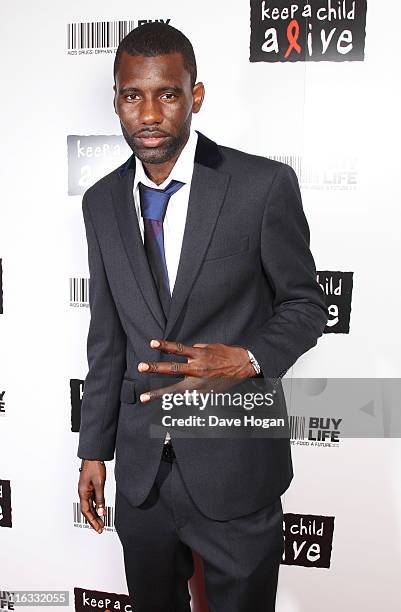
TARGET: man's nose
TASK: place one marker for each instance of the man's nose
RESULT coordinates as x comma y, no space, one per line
150,112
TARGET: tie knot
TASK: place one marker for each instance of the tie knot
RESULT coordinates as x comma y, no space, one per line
154,201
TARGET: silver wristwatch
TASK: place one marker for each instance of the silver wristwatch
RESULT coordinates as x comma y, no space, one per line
253,361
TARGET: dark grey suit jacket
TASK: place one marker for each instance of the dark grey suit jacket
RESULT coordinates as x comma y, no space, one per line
246,277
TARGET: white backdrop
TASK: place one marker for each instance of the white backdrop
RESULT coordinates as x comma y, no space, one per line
339,113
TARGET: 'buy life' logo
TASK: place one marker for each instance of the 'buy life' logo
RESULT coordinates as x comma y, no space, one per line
322,30
7,601
315,431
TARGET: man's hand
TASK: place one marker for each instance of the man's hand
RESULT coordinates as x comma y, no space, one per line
91,492
205,362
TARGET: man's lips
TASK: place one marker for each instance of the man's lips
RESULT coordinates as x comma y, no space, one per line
151,139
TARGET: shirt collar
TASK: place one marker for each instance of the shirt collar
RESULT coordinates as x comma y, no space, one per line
181,171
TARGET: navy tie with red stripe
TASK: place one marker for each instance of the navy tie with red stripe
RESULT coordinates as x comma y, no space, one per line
153,208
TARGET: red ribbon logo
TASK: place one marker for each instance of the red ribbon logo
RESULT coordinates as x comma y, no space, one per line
292,36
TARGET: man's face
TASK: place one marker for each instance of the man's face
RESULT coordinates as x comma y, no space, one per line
154,101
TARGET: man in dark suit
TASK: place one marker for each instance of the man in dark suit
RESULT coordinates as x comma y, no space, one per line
200,270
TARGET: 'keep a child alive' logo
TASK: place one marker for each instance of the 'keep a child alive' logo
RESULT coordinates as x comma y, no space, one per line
86,599
337,287
76,393
308,540
322,30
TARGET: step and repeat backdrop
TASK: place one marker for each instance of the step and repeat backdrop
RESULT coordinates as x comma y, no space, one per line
314,85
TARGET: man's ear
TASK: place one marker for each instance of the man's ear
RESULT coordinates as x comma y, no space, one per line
114,98
198,93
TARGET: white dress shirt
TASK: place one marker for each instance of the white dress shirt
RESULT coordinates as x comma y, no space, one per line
176,213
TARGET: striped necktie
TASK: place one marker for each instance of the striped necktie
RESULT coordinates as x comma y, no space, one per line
153,208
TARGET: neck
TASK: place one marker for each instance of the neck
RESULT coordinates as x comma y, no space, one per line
159,172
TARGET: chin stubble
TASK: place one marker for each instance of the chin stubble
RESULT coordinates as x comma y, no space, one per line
162,153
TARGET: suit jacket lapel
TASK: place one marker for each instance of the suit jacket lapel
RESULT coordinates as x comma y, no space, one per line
123,199
208,189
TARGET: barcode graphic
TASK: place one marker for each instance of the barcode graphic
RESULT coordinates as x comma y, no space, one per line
79,290
97,34
295,161
108,518
324,172
297,428
305,173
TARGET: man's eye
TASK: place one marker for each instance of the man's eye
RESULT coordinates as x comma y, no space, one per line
130,96
170,96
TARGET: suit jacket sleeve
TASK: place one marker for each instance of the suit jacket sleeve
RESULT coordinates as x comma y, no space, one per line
300,313
106,354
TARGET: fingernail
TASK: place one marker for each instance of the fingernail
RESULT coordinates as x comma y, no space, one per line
145,397
154,343
143,367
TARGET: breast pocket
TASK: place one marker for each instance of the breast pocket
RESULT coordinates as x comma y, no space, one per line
227,248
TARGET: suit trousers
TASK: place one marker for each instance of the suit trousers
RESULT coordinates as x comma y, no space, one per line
240,556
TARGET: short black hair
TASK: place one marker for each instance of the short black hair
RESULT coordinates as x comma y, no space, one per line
156,38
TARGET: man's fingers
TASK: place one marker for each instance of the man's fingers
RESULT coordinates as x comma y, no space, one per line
147,396
167,367
99,501
174,347
90,515
171,367
91,493
100,506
